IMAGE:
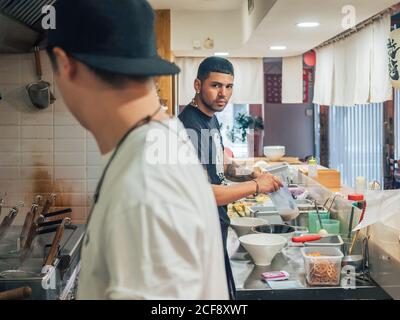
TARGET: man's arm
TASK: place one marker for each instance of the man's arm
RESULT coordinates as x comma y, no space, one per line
265,183
230,170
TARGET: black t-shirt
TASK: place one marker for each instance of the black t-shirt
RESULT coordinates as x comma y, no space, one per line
206,137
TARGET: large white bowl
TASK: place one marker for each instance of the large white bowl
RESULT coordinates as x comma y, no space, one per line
263,247
243,226
274,153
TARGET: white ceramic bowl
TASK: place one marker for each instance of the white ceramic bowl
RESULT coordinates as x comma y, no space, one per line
263,247
243,226
274,153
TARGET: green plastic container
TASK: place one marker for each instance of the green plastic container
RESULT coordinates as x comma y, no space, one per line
313,218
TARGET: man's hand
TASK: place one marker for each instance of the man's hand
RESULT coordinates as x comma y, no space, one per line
268,183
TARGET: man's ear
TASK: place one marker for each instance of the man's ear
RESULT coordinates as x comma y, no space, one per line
197,85
66,65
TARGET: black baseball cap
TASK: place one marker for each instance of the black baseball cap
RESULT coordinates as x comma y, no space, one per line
115,36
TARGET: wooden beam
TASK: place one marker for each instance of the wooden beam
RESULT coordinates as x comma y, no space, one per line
165,84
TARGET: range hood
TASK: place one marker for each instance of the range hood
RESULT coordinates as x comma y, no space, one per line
20,24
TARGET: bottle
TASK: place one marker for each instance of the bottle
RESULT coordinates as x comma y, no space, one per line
312,168
360,185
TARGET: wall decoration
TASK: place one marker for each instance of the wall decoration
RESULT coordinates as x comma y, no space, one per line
273,83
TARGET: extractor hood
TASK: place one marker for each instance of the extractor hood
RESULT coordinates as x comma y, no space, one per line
20,24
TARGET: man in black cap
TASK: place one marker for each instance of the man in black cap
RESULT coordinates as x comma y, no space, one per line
214,86
150,234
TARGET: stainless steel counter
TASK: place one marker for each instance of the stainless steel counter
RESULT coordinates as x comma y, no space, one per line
249,284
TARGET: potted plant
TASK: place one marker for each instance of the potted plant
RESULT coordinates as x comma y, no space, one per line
248,128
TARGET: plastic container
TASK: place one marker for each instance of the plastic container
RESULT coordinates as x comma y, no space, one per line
322,265
312,168
335,241
361,185
313,218
332,226
285,204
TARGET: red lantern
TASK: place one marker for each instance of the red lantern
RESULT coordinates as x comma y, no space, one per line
310,58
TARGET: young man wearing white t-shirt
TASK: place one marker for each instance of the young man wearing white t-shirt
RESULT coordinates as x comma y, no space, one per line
153,232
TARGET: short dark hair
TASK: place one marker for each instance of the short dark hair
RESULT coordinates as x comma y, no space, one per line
114,79
214,64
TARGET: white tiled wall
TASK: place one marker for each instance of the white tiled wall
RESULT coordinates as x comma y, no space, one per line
42,151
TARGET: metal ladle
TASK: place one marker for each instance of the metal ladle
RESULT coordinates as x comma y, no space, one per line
39,92
322,231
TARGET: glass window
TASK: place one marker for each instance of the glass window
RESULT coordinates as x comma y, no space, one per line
227,121
356,142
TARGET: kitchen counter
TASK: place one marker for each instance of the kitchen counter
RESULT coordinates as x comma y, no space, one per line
250,286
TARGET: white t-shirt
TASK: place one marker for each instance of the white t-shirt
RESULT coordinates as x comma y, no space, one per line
154,233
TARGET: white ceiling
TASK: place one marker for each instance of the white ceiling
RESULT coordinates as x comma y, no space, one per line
196,4
278,26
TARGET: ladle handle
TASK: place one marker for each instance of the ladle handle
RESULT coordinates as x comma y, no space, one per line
38,63
14,294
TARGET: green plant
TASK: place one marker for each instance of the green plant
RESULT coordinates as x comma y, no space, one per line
243,123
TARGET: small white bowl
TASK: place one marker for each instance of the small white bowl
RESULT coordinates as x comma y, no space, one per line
274,153
242,226
263,247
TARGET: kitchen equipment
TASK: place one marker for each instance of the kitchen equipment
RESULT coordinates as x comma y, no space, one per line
353,242
8,219
331,226
48,203
355,261
306,238
281,229
351,222
326,241
313,217
242,226
57,282
56,241
16,294
321,230
30,216
274,153
39,92
322,265
263,247
40,226
284,203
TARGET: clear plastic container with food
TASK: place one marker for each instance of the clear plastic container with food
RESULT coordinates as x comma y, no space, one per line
322,265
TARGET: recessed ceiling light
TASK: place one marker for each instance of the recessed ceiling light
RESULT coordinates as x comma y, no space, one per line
221,54
278,48
307,24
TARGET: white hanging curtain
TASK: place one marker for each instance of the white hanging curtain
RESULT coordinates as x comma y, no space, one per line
292,79
248,85
381,88
324,76
355,70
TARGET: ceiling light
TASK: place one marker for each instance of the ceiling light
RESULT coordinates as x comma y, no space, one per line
307,24
278,48
221,54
